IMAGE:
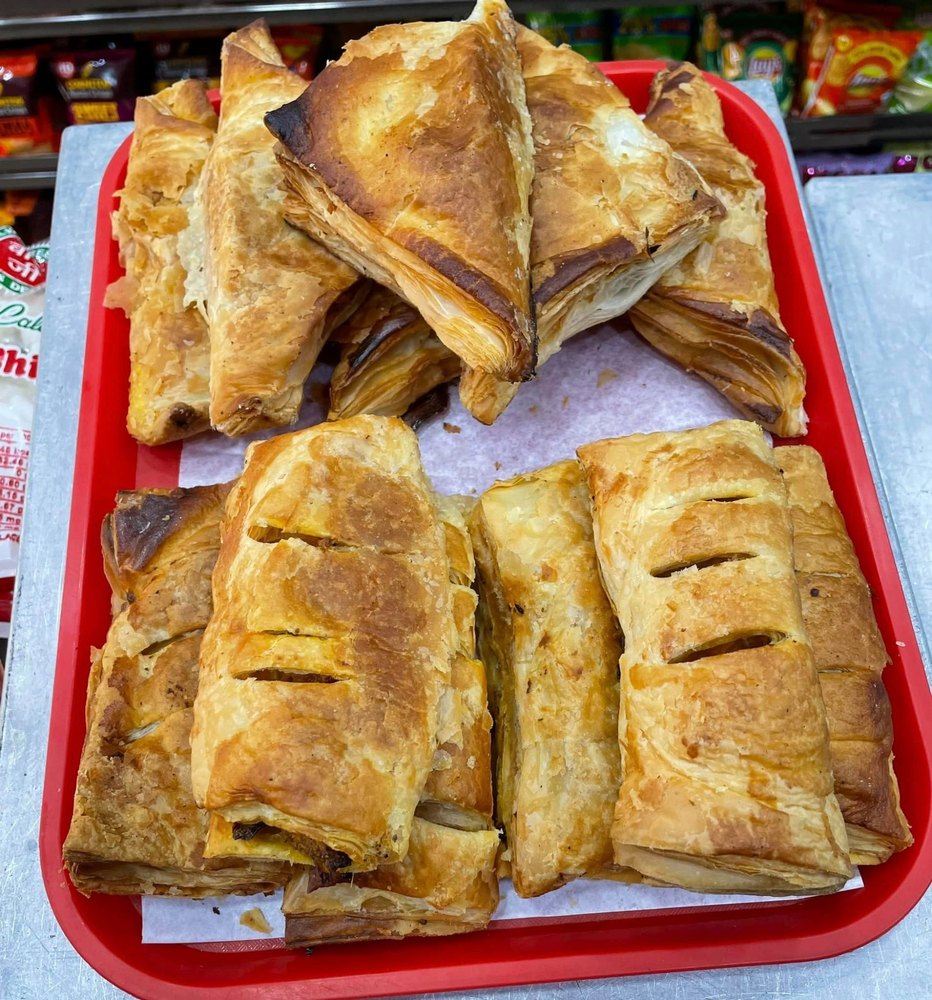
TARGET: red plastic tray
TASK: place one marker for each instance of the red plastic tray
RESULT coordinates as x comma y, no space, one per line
106,931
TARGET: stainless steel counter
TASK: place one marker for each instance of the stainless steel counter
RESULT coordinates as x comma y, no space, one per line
872,237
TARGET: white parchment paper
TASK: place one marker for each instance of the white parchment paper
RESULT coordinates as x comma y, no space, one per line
188,921
604,383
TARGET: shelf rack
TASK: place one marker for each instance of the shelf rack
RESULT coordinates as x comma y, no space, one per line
33,19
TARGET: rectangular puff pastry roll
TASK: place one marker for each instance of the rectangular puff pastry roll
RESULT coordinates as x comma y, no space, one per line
168,342
389,359
551,645
272,293
412,155
726,775
613,206
447,882
850,656
135,827
330,644
716,313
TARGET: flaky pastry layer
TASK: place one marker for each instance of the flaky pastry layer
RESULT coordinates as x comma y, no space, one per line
725,751
850,656
716,312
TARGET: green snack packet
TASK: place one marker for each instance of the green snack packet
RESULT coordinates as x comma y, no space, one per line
753,43
913,92
653,32
580,29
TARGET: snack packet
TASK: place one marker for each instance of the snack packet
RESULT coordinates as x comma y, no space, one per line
299,48
860,70
580,29
753,43
25,124
914,91
22,296
653,32
820,20
177,59
98,85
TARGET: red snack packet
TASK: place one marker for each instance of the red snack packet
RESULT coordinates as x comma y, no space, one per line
861,67
25,125
820,19
299,47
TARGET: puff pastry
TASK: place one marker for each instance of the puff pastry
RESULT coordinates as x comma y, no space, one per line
849,655
168,342
726,775
412,154
613,206
389,359
330,644
447,882
716,313
272,293
135,827
551,645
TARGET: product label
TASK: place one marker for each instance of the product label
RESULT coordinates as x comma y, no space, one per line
93,113
14,460
22,293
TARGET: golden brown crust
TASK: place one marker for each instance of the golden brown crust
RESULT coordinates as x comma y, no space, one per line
447,882
849,655
269,287
458,791
551,645
150,529
331,641
445,885
716,312
169,348
613,206
136,827
695,547
426,194
390,358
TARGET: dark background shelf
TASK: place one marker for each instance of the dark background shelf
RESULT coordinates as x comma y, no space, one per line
34,19
24,19
857,132
28,172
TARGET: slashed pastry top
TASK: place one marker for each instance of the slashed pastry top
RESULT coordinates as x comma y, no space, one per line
551,644
447,882
716,312
271,292
849,655
136,827
331,641
726,775
613,206
389,359
413,156
169,349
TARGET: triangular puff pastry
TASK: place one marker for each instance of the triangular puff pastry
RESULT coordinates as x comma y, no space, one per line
413,154
717,313
613,206
168,345
269,288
